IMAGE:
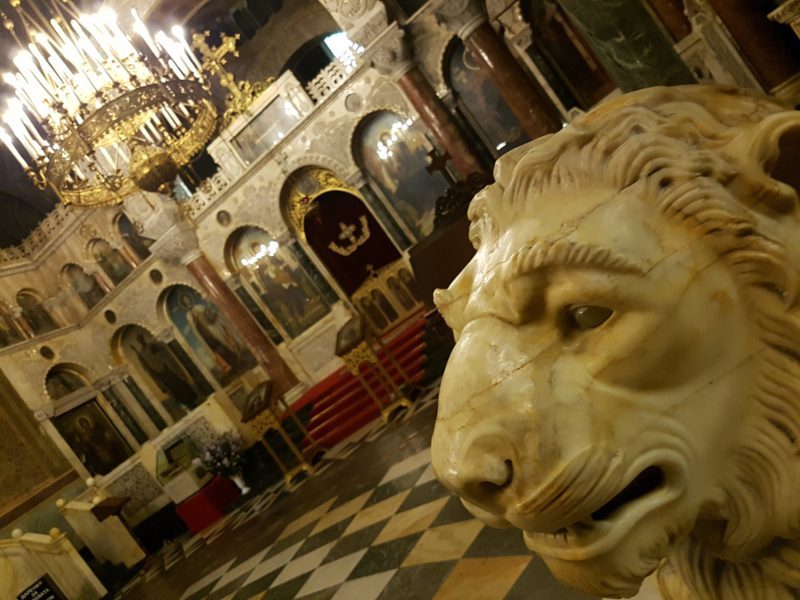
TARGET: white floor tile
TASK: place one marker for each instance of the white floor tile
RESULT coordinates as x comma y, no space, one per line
407,465
273,563
241,569
304,564
331,574
208,579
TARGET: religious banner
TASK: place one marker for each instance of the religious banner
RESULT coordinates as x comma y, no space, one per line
34,312
347,238
84,285
157,364
9,334
488,112
63,380
111,261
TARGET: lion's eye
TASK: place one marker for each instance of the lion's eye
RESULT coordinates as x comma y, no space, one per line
587,316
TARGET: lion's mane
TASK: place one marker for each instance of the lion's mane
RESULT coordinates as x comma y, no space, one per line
704,157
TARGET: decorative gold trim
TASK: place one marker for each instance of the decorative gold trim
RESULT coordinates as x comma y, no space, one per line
298,203
240,95
119,120
347,232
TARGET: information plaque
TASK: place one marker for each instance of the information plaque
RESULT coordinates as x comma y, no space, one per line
42,589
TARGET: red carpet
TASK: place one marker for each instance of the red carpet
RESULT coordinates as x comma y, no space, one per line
341,406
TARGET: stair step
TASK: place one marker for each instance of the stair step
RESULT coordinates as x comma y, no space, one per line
338,406
345,412
364,418
411,368
410,365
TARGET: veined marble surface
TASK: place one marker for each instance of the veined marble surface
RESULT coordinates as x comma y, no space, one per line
623,384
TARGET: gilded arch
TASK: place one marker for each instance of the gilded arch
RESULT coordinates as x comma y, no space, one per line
302,188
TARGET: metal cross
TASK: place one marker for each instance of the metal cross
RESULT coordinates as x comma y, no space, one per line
214,59
438,162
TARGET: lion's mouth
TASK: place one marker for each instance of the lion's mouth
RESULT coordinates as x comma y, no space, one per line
644,483
602,529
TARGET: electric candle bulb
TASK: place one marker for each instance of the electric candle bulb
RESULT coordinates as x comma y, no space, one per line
10,145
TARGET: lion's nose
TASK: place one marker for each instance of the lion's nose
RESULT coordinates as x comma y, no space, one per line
480,471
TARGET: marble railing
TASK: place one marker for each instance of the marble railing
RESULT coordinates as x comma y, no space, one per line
327,81
29,556
209,190
60,222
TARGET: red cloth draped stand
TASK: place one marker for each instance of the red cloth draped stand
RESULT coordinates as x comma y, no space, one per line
207,506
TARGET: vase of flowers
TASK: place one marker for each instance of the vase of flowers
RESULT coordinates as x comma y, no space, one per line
223,456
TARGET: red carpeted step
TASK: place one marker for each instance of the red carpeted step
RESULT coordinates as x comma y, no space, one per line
346,419
411,363
336,407
330,406
341,406
360,421
396,342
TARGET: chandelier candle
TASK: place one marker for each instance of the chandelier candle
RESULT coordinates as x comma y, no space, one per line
90,99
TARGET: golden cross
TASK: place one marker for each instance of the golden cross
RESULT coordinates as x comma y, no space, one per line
348,232
214,59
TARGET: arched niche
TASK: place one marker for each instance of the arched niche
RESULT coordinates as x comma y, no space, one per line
86,428
481,102
335,222
138,243
281,277
110,260
82,422
84,285
34,313
206,334
9,331
309,59
65,379
393,151
154,362
563,55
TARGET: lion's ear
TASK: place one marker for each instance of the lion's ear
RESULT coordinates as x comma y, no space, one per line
770,160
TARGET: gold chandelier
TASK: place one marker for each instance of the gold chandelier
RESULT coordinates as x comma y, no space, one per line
98,114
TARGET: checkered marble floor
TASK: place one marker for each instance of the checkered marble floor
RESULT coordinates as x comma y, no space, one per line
402,536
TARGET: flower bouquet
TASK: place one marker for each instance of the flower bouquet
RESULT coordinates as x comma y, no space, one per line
223,456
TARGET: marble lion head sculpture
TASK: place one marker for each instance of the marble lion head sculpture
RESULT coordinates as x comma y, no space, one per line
625,385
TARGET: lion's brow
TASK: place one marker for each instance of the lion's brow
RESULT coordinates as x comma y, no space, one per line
545,253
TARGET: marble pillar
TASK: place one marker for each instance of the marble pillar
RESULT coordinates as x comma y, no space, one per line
672,16
629,43
770,48
439,121
245,324
366,22
529,103
788,13
176,242
537,115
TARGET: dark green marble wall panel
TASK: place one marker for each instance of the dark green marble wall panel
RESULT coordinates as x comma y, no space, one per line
629,43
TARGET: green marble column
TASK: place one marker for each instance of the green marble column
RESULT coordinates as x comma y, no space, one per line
629,43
